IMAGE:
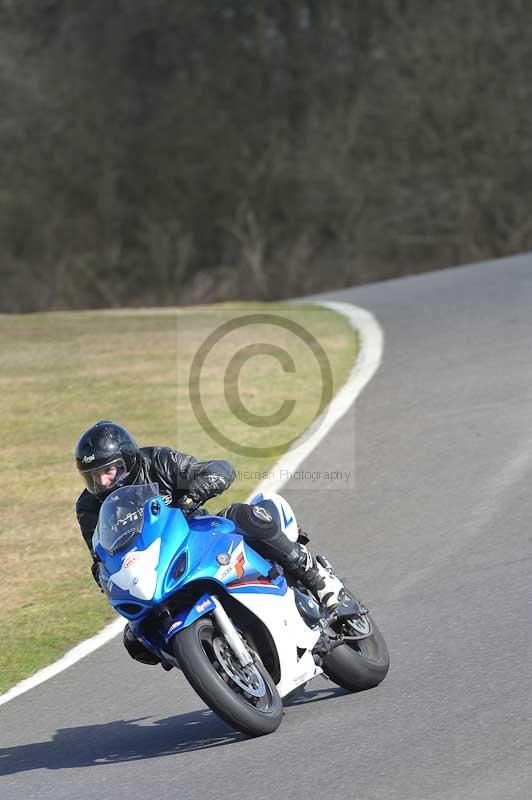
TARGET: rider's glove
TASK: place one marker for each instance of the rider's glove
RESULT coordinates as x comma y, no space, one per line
95,569
203,488
188,505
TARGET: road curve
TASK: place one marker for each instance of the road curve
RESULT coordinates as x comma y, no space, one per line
434,534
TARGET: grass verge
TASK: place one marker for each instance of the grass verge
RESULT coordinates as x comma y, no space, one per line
61,372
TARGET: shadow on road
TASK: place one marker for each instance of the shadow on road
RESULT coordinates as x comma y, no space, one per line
314,696
119,741
132,740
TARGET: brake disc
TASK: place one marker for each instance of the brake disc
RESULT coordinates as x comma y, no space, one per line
248,678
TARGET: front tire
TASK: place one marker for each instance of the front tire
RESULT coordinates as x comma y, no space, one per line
359,665
246,698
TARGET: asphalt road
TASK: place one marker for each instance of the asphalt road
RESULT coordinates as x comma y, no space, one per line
436,537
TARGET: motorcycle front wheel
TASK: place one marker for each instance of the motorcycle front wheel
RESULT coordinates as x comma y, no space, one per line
360,664
244,697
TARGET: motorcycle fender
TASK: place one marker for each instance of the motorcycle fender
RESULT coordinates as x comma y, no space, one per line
186,617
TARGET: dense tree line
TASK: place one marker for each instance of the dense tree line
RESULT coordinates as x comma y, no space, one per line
163,151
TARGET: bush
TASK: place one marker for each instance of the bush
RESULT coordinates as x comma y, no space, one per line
162,152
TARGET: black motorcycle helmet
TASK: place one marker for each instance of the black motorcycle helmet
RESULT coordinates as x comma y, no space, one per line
107,446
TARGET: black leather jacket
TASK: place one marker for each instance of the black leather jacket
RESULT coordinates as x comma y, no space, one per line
172,470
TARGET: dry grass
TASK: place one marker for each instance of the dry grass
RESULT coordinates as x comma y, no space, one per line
61,372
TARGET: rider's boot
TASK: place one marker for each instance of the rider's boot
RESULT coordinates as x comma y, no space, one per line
316,576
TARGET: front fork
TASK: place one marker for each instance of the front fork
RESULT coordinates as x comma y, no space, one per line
230,633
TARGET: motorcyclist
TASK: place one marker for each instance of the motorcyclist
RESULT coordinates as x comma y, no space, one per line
108,457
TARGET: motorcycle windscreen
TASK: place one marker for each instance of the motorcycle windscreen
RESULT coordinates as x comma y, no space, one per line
122,515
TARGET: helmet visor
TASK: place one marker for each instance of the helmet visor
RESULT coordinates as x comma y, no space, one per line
101,480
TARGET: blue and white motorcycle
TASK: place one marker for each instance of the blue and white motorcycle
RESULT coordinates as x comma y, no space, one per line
202,600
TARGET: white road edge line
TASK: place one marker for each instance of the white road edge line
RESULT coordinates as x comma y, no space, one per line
76,654
368,361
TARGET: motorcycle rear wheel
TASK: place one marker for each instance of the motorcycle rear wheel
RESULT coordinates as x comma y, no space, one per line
246,698
359,665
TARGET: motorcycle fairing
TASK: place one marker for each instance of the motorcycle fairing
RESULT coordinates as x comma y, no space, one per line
143,577
294,640
239,570
187,616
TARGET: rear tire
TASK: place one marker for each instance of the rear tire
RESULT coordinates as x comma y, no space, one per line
359,665
207,663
